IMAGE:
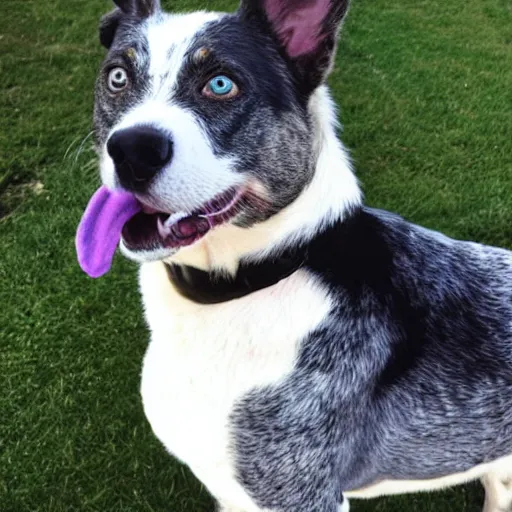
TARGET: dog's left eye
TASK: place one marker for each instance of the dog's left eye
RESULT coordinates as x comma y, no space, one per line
221,87
117,79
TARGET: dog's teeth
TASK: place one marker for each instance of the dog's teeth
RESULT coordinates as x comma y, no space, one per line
163,230
207,217
175,217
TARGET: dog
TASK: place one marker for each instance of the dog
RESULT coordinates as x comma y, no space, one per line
305,349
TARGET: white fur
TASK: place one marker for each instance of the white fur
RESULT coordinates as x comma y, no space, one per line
345,507
202,359
169,37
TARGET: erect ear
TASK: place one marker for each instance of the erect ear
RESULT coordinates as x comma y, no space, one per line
306,29
133,8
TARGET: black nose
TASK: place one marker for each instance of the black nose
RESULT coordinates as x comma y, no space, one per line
139,153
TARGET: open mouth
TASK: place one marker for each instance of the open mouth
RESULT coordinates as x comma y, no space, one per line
149,229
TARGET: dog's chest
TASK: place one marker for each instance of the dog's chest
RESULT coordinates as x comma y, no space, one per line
203,358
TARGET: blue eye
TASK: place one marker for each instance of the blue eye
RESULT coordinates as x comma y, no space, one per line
221,85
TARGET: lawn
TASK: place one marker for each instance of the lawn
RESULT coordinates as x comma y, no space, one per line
425,95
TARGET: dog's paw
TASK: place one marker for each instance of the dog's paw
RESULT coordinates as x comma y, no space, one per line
498,492
345,506
227,508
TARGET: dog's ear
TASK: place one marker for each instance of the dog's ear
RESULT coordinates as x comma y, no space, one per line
108,27
133,8
139,8
306,29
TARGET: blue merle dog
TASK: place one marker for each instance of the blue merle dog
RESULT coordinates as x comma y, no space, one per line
305,349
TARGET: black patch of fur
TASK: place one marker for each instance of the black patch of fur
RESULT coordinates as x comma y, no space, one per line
126,9
108,27
138,8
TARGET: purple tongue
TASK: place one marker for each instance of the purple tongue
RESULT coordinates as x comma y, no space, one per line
99,231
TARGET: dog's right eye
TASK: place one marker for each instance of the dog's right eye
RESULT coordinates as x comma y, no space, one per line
117,79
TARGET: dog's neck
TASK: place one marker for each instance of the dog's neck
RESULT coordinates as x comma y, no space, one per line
332,193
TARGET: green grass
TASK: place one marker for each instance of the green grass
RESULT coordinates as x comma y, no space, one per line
425,91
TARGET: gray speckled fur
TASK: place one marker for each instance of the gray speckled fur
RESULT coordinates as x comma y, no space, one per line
410,377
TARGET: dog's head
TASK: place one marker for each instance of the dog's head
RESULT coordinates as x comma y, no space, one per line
205,117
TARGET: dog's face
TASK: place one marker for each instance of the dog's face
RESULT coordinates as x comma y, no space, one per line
204,116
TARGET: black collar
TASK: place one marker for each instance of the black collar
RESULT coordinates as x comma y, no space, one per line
327,249
211,288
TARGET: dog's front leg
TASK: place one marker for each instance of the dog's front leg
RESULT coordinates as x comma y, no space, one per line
343,507
227,508
498,491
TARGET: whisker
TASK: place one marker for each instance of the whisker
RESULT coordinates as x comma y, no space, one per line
71,144
81,147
